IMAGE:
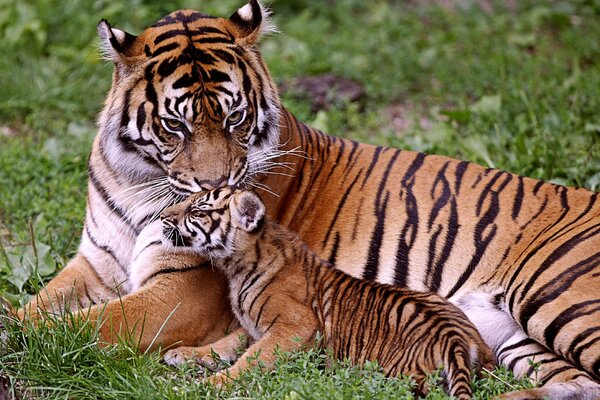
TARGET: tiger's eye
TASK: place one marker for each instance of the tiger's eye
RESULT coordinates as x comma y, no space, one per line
235,117
173,124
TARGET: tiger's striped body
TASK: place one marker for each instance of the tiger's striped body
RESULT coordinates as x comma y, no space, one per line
193,107
280,289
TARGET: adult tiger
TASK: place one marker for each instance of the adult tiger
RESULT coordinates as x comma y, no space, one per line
193,107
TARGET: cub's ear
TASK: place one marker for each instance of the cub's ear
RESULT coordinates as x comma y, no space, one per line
247,211
251,22
116,45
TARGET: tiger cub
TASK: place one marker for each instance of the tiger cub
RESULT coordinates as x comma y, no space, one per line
283,295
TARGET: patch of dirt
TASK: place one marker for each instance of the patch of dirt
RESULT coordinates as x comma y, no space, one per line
324,91
8,131
403,117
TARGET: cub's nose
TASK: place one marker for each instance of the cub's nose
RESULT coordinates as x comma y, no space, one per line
171,234
177,239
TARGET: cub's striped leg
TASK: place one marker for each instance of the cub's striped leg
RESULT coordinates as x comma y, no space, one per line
76,286
188,307
262,353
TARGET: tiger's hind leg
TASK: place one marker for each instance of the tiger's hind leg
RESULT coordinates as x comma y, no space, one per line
558,379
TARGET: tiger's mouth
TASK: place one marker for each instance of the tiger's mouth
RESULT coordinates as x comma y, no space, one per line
234,178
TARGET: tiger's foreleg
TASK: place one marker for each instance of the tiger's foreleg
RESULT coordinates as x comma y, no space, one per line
76,286
187,307
280,337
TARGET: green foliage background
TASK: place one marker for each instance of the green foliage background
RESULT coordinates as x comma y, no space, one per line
512,86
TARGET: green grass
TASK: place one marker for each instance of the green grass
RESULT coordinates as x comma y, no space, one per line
54,362
517,89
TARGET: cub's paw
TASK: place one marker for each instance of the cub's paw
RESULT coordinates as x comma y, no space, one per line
183,354
222,378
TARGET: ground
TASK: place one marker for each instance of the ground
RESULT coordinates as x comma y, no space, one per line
512,85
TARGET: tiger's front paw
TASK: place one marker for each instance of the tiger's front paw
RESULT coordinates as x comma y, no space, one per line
183,354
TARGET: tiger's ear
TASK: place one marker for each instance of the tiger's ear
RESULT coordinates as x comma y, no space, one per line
116,45
251,22
247,211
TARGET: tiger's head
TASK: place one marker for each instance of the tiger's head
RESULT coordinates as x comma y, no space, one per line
191,99
217,223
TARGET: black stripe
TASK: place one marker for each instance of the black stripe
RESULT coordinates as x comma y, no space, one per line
112,206
410,229
260,292
339,208
105,249
521,343
260,311
460,172
181,17
451,234
171,33
481,241
165,271
518,201
334,249
153,243
372,265
561,283
165,48
374,159
141,117
243,289
489,189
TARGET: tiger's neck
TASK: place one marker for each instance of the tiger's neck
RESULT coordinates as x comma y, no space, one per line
312,155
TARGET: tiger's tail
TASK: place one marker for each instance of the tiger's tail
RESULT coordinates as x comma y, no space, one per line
457,368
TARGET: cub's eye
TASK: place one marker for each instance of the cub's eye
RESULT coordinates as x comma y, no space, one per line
235,118
173,125
196,212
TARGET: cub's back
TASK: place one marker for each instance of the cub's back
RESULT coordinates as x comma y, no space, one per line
407,332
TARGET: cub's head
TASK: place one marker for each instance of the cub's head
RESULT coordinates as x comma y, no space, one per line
192,97
216,223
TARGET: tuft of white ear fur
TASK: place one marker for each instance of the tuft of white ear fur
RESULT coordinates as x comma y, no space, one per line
113,42
247,211
255,19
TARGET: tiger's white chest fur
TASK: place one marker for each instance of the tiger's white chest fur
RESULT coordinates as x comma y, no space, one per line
148,247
